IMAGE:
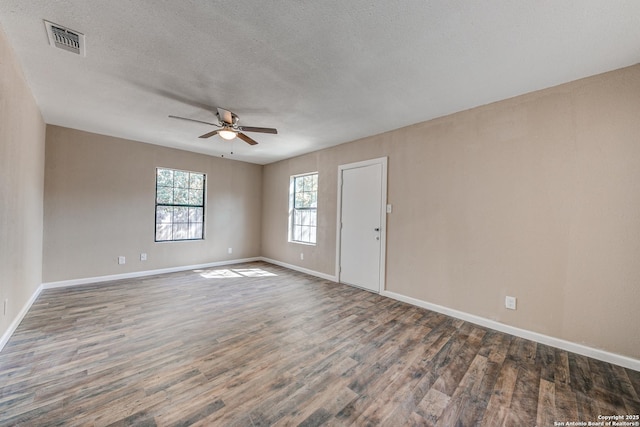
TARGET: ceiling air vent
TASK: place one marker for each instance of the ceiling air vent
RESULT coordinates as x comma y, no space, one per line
65,38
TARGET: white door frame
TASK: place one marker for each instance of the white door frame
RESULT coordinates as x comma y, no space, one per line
383,215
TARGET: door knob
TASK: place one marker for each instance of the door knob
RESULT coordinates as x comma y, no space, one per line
376,229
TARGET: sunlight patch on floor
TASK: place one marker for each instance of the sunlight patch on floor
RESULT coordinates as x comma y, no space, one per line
231,273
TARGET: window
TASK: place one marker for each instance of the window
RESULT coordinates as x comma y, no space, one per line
179,205
303,217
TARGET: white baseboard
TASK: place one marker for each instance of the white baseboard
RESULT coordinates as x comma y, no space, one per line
88,280
14,325
595,353
605,356
132,275
301,269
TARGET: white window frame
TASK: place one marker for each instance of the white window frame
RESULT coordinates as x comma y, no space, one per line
292,211
188,205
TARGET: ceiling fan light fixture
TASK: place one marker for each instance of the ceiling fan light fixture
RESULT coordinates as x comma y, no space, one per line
227,134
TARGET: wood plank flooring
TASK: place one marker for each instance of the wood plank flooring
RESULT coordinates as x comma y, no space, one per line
256,344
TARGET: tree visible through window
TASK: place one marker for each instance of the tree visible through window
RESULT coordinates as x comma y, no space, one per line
179,205
304,215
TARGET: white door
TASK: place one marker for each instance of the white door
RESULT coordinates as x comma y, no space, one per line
362,221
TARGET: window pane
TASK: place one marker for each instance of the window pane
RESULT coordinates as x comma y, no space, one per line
313,214
195,231
195,197
181,196
305,217
197,181
164,195
180,214
181,179
163,232
304,200
196,215
180,231
164,214
305,234
164,177
312,234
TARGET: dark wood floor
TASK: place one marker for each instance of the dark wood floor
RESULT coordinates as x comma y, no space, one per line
256,344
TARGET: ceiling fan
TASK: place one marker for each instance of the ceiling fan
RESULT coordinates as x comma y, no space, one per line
229,128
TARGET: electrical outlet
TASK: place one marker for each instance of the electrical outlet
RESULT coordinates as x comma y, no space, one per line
230,250
389,208
510,303
301,255
143,256
122,260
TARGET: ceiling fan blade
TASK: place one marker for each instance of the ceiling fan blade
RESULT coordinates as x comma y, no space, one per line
225,115
209,134
246,139
194,120
255,129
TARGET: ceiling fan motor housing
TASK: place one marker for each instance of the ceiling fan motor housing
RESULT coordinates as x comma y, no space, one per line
229,115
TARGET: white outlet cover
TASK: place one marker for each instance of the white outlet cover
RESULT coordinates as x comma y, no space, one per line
143,256
510,303
121,260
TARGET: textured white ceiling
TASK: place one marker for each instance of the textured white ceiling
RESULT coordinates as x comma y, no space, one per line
322,72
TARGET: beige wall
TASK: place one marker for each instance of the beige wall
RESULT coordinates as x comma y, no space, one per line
536,197
99,204
22,136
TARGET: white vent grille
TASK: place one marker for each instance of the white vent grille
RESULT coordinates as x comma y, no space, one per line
65,38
